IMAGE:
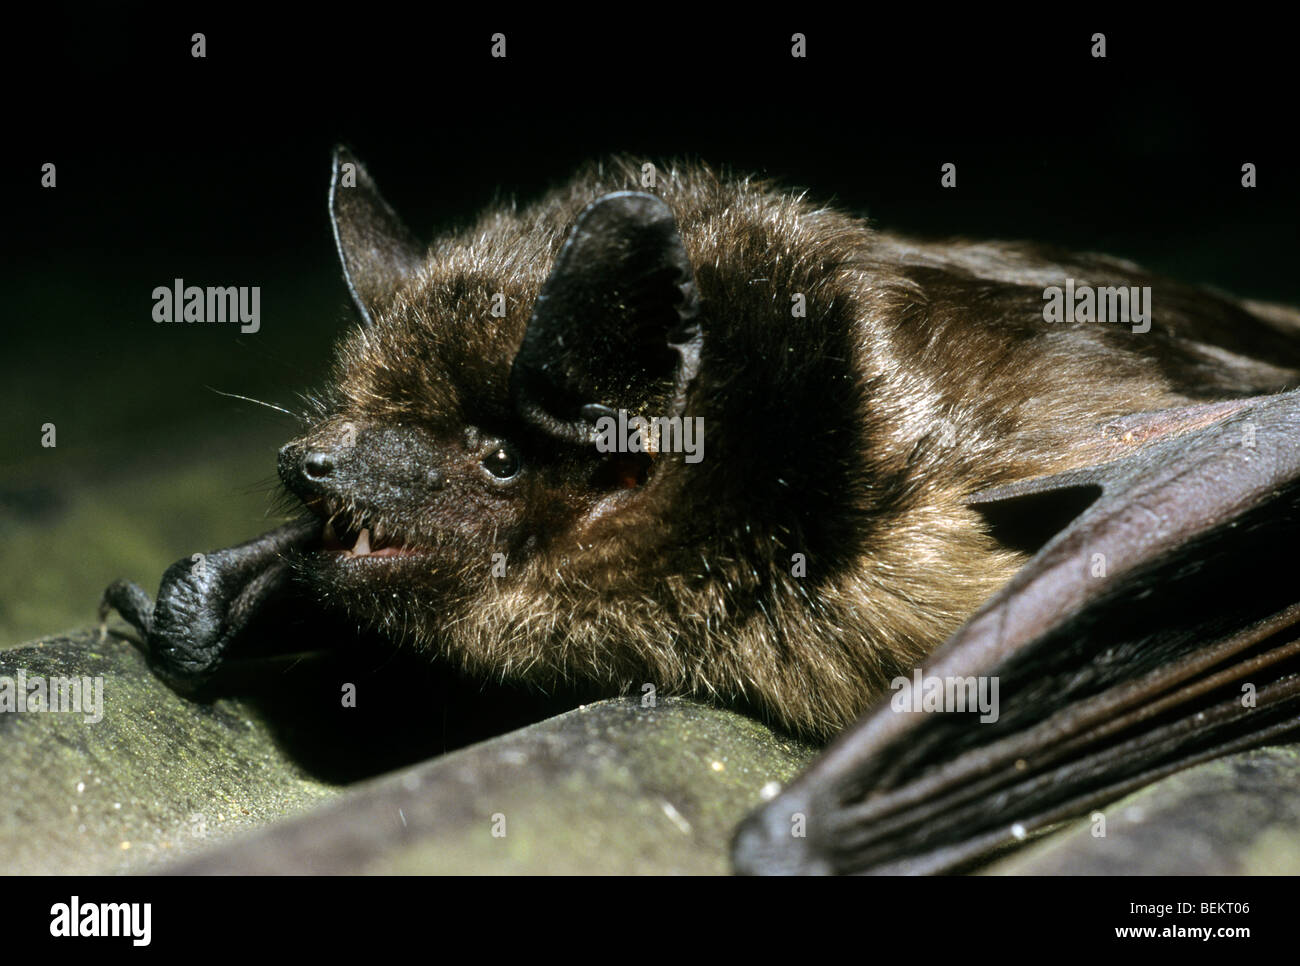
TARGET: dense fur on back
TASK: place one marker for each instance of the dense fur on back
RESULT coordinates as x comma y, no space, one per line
851,436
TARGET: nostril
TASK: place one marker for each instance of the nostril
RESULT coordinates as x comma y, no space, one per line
317,466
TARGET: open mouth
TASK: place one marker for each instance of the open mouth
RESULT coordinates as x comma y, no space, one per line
363,540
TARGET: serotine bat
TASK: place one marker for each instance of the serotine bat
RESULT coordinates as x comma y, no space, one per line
893,427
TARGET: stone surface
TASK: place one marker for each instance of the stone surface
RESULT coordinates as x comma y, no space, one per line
155,778
609,787
1238,815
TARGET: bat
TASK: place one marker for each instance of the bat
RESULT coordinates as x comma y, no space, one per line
714,437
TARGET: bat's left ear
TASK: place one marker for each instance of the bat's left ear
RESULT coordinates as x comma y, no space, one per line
378,252
615,326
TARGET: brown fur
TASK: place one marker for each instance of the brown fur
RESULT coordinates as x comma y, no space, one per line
853,436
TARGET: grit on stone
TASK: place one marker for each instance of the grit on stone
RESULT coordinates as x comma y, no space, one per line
609,787
158,777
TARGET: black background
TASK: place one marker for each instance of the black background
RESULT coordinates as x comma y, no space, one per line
216,169
228,155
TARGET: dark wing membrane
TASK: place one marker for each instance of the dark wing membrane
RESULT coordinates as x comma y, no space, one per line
1157,630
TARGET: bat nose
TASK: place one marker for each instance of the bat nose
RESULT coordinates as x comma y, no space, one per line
318,466
308,470
353,461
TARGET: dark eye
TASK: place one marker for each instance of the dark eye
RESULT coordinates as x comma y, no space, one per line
503,463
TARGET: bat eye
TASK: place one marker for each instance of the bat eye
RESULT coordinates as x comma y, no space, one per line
503,463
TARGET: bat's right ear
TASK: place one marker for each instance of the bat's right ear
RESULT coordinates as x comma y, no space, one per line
377,251
615,326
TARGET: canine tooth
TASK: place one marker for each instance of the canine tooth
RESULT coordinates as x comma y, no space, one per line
330,535
363,543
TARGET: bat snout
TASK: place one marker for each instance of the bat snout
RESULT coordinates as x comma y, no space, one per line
312,471
318,466
395,467
331,464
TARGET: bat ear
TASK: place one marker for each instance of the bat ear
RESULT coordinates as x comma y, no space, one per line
615,326
377,251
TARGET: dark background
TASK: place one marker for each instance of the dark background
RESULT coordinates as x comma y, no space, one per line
216,171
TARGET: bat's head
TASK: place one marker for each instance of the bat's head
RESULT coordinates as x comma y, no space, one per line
599,439
507,425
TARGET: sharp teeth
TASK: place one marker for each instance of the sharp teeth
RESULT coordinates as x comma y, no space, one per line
362,547
330,535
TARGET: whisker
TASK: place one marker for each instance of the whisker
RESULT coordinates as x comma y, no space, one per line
235,395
